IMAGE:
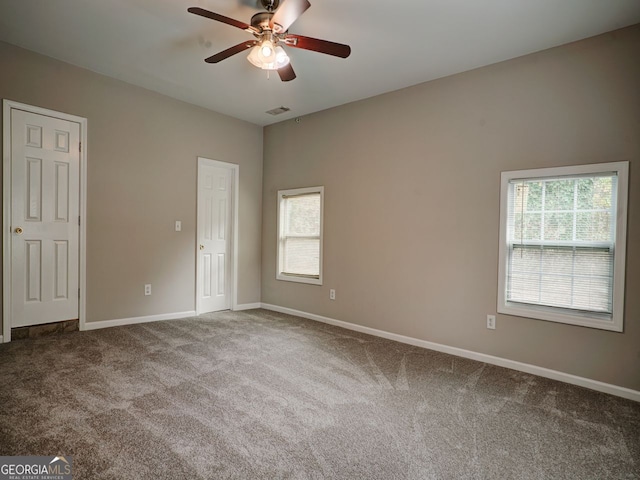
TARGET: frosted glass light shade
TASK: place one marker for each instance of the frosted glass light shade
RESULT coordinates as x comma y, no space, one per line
276,60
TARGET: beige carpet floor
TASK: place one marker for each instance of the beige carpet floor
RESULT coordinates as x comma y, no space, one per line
261,395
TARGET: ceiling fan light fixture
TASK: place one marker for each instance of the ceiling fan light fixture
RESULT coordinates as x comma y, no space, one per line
275,61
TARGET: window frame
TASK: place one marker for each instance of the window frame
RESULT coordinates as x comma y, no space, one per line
280,274
615,320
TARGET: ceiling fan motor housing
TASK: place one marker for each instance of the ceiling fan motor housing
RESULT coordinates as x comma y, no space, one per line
261,20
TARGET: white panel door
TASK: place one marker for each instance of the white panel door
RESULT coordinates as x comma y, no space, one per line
45,189
214,212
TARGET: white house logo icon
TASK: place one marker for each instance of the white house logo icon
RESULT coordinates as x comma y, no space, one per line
59,468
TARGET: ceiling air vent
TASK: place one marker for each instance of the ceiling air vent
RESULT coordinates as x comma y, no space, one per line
278,111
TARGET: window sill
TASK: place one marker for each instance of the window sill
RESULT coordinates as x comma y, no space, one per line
551,314
299,279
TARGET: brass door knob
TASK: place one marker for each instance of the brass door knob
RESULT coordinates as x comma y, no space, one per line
18,230
201,247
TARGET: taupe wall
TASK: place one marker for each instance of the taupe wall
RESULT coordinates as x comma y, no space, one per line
142,157
412,197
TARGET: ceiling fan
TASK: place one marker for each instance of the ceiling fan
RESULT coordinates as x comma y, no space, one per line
270,30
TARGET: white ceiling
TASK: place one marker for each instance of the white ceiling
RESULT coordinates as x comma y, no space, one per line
156,44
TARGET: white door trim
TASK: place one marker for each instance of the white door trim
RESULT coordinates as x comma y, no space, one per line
235,182
7,106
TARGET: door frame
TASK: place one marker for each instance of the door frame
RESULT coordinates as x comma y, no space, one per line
7,106
234,168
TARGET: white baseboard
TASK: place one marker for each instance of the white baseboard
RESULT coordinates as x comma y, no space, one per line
133,320
247,306
460,352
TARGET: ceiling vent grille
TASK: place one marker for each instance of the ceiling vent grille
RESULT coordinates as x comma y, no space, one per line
278,111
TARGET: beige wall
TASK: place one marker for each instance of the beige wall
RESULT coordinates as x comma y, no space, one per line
412,197
142,157
412,194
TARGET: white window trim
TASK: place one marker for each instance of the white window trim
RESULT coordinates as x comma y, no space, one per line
279,262
586,319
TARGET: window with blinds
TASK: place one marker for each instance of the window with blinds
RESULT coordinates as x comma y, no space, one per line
562,245
300,235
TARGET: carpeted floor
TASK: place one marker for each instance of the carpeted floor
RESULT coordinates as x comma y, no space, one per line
257,394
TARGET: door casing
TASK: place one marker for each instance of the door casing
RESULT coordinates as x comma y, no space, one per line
7,106
235,178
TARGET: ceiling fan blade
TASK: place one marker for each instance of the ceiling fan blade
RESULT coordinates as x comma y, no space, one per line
317,45
287,13
221,18
286,73
241,47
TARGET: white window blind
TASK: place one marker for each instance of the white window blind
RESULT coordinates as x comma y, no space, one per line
300,235
561,242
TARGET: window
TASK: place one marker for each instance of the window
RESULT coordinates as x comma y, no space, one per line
562,244
300,235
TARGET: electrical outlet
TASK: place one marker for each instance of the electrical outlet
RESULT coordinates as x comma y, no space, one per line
332,294
178,226
491,322
147,289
